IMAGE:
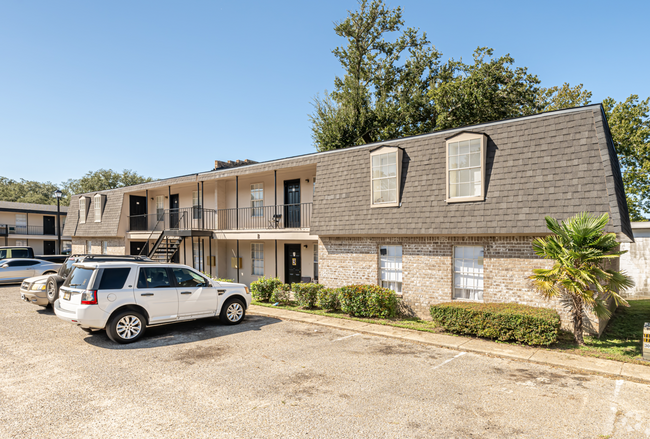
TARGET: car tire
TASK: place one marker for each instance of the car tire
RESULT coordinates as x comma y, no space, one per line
52,290
126,327
233,312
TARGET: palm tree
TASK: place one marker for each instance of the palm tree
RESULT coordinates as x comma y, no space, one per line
581,249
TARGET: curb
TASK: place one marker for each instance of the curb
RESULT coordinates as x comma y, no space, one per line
576,363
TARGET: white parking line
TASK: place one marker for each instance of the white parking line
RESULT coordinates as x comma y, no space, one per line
614,408
451,359
348,336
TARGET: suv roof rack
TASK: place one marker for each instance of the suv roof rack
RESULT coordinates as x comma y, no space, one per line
113,257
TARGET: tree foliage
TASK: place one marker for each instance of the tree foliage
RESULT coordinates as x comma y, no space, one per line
25,191
629,123
487,89
379,97
564,96
581,249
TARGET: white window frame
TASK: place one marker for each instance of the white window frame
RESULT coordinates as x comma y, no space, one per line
390,266
468,280
98,208
482,154
315,261
104,247
196,205
257,204
89,247
257,249
21,243
160,207
384,150
83,208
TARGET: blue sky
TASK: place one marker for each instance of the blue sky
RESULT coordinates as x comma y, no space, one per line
166,87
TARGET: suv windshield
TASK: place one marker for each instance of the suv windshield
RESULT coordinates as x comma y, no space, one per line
66,268
79,278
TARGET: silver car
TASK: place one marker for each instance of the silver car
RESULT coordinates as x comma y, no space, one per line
14,271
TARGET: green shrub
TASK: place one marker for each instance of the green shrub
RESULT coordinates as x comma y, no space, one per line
500,321
306,294
282,294
218,279
368,301
328,299
263,288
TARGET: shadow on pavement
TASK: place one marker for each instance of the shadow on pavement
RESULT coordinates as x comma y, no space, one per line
183,332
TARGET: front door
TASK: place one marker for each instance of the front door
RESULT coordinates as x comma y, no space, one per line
196,297
139,248
292,271
48,226
292,204
173,211
138,212
49,247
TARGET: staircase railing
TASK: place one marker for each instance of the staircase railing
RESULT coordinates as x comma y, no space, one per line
150,235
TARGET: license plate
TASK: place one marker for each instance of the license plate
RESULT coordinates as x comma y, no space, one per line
66,295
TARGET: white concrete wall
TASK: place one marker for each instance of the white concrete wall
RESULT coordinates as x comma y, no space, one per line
636,262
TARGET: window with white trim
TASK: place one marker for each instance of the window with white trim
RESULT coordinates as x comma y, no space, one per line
257,199
104,247
384,178
21,242
89,247
468,273
466,153
196,205
98,208
257,255
21,224
390,262
82,210
315,262
160,207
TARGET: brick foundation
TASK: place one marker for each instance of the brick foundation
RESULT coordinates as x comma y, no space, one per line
115,246
427,275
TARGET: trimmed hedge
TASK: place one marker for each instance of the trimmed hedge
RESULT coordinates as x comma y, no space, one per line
282,294
263,288
306,294
368,301
328,299
500,321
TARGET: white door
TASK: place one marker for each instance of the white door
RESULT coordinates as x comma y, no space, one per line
196,296
156,293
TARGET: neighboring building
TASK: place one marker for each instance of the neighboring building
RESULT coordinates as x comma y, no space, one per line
636,262
437,217
34,225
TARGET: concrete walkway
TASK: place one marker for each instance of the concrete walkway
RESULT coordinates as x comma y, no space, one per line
611,368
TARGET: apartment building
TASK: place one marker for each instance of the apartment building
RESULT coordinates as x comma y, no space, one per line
34,225
443,216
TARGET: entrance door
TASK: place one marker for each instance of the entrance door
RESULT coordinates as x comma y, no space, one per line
138,212
49,248
292,271
48,226
139,248
173,211
292,204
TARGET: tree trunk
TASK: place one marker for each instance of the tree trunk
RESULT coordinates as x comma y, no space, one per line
578,315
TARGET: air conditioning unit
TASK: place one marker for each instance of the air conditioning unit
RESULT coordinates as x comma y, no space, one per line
12,230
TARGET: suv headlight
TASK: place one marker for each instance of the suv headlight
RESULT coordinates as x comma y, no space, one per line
38,287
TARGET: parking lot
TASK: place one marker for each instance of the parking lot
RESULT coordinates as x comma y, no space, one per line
269,378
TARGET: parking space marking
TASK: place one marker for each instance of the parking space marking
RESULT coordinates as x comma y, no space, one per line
348,336
451,359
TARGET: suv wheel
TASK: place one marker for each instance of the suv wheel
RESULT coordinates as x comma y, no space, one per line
126,327
233,312
52,291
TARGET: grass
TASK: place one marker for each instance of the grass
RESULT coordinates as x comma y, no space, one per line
621,340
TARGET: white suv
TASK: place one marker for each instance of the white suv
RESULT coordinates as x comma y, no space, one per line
126,297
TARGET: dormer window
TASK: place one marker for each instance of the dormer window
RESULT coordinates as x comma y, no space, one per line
98,208
385,176
82,210
466,155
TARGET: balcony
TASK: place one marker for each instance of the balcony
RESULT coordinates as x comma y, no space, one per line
10,229
280,217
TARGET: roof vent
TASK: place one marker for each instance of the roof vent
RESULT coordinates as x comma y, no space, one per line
232,164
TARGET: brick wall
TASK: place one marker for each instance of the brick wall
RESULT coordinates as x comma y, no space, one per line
116,246
427,275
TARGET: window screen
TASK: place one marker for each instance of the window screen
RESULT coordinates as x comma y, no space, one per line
114,278
468,273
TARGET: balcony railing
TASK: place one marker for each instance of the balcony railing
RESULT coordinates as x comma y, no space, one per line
186,218
10,229
282,216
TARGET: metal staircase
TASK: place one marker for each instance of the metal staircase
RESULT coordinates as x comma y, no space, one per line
165,247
